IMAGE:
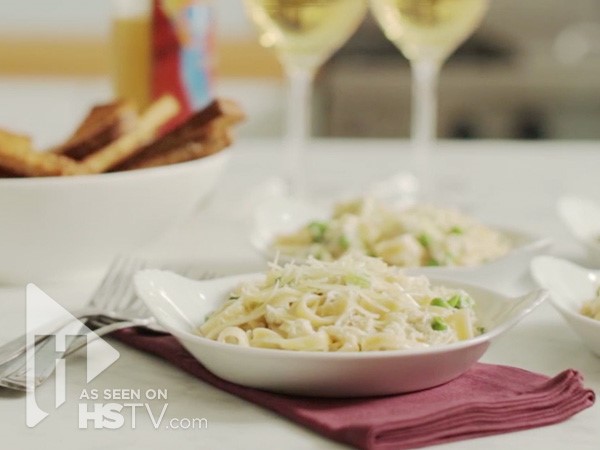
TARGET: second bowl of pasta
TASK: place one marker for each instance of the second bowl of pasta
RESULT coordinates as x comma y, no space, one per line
426,239
346,328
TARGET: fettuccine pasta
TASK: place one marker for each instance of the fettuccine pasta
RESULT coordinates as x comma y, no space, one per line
356,303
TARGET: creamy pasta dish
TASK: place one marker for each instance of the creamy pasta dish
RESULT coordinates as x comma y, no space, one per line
356,303
591,308
418,236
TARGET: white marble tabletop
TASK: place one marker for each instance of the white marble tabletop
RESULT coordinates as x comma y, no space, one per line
515,184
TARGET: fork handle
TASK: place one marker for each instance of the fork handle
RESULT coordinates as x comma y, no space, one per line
18,346
96,333
18,379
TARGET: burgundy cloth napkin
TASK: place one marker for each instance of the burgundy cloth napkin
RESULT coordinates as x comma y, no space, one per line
488,399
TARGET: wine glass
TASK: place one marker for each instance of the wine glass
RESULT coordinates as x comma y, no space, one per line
304,33
427,32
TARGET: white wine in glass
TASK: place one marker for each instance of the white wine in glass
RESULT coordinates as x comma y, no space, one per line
427,32
304,33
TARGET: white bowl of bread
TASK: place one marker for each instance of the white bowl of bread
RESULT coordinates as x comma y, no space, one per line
113,186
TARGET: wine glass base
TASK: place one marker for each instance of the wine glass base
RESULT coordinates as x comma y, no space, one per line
405,189
402,189
453,192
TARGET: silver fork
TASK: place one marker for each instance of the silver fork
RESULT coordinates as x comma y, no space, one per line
113,300
115,307
115,285
14,374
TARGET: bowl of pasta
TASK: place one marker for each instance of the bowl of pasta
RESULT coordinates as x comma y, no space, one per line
347,328
574,293
424,239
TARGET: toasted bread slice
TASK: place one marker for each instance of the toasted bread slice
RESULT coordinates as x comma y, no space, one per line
129,144
103,125
18,158
204,133
5,173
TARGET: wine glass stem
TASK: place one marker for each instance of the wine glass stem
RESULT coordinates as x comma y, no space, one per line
298,128
425,76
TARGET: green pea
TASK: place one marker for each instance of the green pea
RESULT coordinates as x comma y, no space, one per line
438,324
344,242
439,302
424,240
456,301
317,231
456,230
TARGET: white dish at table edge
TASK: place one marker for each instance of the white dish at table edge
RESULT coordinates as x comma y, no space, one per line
582,217
570,286
181,305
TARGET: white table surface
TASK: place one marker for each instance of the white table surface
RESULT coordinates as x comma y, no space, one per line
513,184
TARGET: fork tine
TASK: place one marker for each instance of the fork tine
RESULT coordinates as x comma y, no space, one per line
123,289
198,273
132,298
122,298
118,287
136,305
101,295
139,308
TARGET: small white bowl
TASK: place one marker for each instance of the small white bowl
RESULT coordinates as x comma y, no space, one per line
180,305
495,273
582,217
570,286
61,227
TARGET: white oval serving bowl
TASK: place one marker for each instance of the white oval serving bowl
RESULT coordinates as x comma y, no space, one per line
57,227
570,286
582,217
180,305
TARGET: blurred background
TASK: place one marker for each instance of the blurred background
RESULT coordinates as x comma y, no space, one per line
532,71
